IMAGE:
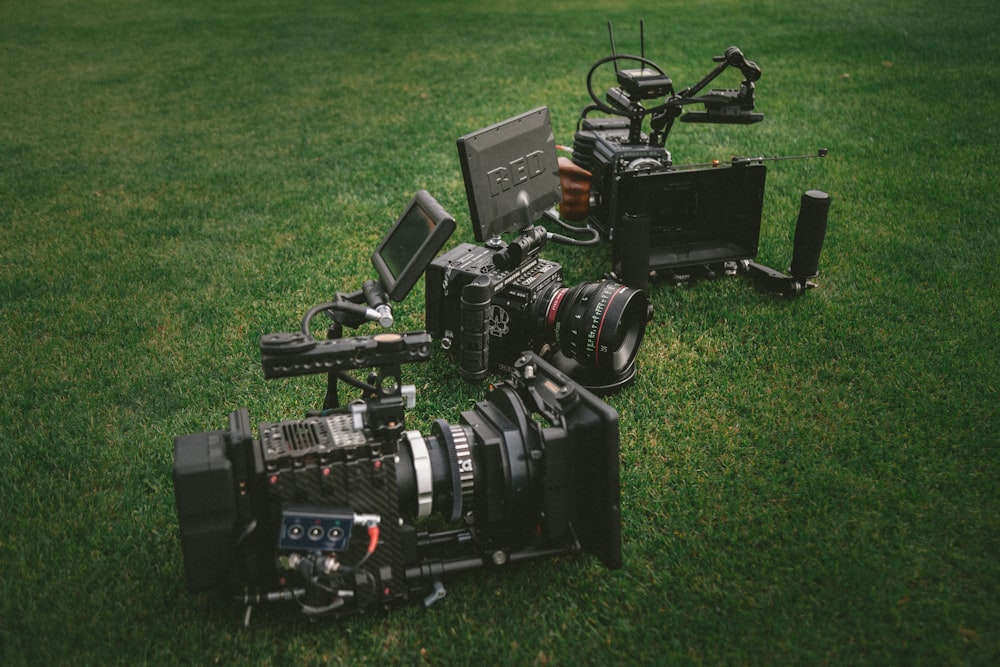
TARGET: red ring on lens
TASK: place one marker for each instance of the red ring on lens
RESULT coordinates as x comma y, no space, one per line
600,327
550,315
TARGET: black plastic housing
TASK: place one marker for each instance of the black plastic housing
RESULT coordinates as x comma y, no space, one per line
509,324
414,239
206,507
511,173
675,219
662,218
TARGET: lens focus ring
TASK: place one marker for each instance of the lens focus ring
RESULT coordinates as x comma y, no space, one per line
600,324
463,450
423,473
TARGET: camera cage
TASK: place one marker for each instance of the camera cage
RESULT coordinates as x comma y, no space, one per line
512,179
696,219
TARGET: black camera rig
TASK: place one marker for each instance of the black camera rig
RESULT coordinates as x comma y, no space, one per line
330,512
679,219
489,302
400,259
341,512
531,472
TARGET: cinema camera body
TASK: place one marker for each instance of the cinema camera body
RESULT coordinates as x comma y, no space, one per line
347,511
325,511
667,218
489,302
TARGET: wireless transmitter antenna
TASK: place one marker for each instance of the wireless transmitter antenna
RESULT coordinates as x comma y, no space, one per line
642,38
646,82
611,36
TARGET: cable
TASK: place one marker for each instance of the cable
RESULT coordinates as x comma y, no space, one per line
358,310
356,383
373,533
310,610
247,532
312,312
566,240
593,234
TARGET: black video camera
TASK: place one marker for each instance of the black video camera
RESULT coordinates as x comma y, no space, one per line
332,512
325,512
675,219
490,302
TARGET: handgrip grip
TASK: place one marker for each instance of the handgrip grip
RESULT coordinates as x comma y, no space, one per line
474,333
632,246
574,181
810,231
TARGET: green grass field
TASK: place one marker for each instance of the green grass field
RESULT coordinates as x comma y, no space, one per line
810,481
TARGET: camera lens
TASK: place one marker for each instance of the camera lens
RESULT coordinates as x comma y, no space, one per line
599,324
435,475
488,465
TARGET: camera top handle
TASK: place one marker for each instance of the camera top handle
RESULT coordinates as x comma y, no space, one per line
294,354
370,303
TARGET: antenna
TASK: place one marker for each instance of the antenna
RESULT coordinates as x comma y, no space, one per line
642,39
611,36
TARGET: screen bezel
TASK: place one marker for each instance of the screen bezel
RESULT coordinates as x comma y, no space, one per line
398,285
500,146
